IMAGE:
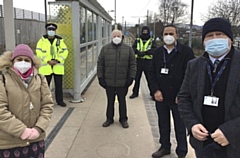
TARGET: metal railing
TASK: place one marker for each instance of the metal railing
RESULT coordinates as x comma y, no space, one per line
25,14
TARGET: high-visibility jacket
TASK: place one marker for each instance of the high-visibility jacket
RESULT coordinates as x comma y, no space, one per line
144,47
47,51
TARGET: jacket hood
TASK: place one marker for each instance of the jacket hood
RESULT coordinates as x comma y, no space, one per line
145,28
6,62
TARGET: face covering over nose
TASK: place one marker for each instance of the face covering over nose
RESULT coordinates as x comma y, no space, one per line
216,47
168,39
51,33
117,40
22,66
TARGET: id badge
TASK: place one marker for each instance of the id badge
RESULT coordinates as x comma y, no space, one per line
164,71
211,101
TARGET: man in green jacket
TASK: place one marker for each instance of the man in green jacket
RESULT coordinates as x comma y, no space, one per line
116,69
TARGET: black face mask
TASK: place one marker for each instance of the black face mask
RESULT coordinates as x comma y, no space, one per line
144,36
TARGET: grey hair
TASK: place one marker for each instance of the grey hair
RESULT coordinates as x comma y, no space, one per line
116,31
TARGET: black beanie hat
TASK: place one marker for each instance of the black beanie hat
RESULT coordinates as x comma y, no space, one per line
146,28
217,24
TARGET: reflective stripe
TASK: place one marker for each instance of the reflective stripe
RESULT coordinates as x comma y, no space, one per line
43,58
45,64
44,51
59,64
62,57
144,47
62,51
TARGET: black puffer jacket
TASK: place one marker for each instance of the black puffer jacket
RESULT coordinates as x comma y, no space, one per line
116,63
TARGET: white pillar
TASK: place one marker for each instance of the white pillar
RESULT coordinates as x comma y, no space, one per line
9,26
76,41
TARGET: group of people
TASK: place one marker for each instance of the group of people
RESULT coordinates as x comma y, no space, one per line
202,93
26,103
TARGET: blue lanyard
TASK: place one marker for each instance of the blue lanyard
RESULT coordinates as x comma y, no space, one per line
164,59
219,73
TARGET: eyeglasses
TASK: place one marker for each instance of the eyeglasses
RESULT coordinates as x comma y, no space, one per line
171,34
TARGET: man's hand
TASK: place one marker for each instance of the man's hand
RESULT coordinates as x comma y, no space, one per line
140,54
220,138
102,82
52,62
158,96
199,132
129,82
176,100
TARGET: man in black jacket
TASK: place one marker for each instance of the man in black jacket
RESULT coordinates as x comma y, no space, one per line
143,48
165,78
209,99
116,69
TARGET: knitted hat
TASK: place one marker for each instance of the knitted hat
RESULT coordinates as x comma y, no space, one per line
217,24
24,50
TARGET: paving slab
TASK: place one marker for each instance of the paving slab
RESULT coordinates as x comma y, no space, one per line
82,134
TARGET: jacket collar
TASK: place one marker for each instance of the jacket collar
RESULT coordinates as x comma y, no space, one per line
177,48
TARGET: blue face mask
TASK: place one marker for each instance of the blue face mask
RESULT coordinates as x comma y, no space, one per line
216,47
51,33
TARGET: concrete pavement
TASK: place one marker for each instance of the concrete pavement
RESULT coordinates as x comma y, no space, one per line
76,131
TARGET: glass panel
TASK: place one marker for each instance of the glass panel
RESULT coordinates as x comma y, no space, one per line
83,59
82,19
95,55
90,25
104,41
108,32
89,59
103,28
95,26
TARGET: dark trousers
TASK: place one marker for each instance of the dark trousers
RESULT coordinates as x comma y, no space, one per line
163,111
58,86
142,66
121,93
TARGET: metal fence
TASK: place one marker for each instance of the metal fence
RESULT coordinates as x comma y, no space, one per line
29,26
24,14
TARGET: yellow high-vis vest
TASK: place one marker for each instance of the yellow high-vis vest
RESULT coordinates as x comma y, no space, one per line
47,51
144,47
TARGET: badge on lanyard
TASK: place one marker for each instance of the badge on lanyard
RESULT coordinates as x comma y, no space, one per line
164,70
211,101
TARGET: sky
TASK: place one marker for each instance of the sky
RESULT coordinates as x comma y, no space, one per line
132,10
126,10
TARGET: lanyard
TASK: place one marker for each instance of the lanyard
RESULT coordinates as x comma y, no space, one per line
165,58
219,73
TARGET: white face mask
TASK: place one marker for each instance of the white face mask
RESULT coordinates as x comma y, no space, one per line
22,66
51,33
117,40
168,39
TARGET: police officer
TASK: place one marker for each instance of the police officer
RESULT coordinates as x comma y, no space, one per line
53,52
143,48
